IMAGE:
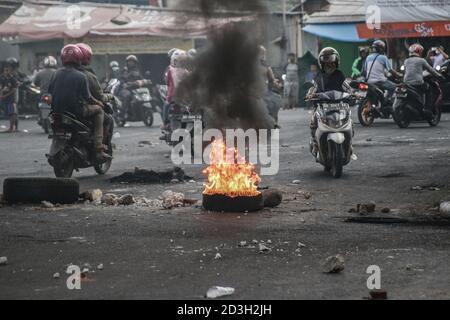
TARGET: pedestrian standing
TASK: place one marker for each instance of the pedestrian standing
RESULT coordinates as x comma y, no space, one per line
291,82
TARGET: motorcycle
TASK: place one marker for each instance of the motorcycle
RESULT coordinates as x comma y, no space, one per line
180,117
409,103
335,128
444,83
73,144
373,102
44,113
29,96
140,108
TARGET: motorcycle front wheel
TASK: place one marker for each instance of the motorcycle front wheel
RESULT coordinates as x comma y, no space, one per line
365,113
63,168
102,168
148,117
337,159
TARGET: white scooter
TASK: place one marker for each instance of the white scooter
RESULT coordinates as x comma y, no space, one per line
335,128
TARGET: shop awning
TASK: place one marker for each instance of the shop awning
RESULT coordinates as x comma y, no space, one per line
345,32
406,30
43,21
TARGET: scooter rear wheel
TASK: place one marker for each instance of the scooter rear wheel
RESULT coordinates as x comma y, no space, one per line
102,168
434,121
148,118
401,118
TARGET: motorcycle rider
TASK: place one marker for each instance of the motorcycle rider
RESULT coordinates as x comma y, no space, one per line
175,73
376,66
359,62
130,74
414,67
94,85
43,77
69,89
329,78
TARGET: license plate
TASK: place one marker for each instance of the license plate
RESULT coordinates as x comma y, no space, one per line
400,95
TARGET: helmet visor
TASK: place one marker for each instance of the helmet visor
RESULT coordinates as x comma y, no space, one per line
327,58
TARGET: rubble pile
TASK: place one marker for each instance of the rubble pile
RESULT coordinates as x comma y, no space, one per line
167,200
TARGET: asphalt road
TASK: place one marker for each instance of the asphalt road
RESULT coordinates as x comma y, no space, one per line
169,254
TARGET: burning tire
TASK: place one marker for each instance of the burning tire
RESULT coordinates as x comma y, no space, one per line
218,202
36,190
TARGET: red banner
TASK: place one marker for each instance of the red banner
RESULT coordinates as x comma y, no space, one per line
406,30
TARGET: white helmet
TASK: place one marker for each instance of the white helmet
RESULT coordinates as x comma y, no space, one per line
171,51
192,53
177,56
50,62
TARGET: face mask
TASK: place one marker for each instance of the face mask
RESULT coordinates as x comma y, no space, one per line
329,68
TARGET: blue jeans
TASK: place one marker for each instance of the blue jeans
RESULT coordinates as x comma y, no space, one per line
387,85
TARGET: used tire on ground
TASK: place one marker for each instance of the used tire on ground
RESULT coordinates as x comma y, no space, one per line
36,190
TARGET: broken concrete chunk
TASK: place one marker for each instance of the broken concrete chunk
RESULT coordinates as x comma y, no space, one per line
216,292
444,209
296,181
366,208
94,196
218,256
47,204
334,264
100,266
242,244
56,275
385,210
263,248
301,245
172,199
126,200
3,261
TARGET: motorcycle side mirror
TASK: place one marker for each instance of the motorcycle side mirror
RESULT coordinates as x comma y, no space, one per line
402,68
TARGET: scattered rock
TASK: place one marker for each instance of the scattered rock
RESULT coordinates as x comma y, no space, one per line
263,248
254,241
56,275
296,181
94,196
3,261
242,244
366,208
116,135
417,188
126,200
218,256
385,210
272,197
146,142
269,241
352,210
334,264
47,204
301,245
172,199
378,294
444,209
216,292
100,266
174,181
110,199
369,139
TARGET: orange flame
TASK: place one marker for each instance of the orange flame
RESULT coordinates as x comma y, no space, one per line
230,177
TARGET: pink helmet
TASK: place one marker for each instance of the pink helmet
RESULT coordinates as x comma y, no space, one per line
415,50
87,53
71,54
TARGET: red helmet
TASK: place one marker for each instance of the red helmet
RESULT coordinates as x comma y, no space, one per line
71,54
87,52
415,50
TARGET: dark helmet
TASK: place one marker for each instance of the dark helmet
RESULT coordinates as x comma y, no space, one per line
329,54
379,46
363,50
132,57
12,62
71,54
87,53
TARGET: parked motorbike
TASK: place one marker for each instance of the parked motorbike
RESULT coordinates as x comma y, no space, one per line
44,113
140,107
335,129
73,144
409,103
